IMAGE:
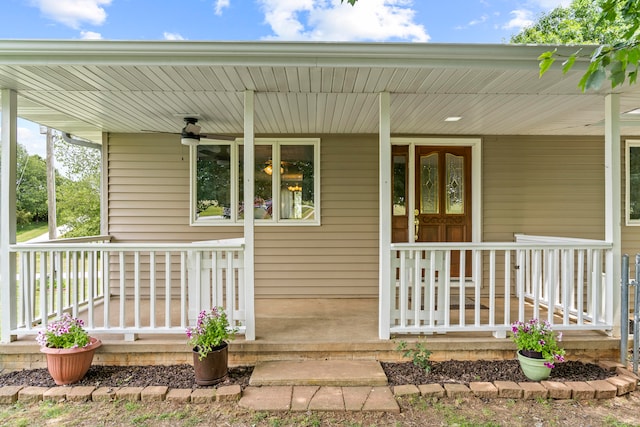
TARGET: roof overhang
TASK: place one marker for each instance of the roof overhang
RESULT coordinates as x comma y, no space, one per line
88,87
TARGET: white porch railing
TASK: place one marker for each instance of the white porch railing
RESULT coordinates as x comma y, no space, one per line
130,289
560,280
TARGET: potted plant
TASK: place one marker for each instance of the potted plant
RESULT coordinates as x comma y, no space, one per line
208,340
538,348
69,349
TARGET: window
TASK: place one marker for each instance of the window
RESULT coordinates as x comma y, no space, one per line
288,194
633,182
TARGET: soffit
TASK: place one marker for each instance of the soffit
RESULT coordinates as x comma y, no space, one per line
328,92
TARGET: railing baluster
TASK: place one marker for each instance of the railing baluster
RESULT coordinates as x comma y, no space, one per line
183,289
507,287
431,289
123,296
492,289
444,301
42,285
578,304
136,289
462,289
152,289
167,289
89,284
477,282
230,294
404,285
106,279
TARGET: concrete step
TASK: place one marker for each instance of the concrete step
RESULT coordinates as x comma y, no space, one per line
341,373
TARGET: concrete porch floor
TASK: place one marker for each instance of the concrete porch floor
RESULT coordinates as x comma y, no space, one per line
311,329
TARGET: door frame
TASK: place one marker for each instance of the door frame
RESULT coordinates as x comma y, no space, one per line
476,178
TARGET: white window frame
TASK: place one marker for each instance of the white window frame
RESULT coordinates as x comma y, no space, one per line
276,143
629,143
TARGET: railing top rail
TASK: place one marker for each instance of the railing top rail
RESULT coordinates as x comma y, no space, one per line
234,244
500,245
532,238
86,239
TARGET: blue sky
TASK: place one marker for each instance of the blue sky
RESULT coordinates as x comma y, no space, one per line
433,21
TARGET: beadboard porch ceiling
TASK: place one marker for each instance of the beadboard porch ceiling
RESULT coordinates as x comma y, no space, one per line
88,87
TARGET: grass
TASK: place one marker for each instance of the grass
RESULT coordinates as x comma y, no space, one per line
29,231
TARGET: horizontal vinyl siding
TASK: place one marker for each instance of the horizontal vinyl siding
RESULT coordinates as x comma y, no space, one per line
148,179
340,257
543,185
550,186
149,191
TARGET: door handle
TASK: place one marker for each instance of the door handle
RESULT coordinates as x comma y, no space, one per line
416,223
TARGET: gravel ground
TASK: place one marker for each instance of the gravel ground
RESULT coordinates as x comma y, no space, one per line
182,376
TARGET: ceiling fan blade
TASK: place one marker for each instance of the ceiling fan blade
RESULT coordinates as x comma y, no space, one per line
159,131
218,137
192,128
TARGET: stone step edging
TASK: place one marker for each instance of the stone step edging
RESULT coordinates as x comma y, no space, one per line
624,383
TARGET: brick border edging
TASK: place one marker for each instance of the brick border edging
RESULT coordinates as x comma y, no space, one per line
623,383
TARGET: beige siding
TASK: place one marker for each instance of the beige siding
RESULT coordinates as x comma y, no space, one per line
149,202
543,185
533,185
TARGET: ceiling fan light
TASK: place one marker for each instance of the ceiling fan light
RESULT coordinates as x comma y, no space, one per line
190,140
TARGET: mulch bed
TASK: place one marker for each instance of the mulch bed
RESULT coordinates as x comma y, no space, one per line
182,376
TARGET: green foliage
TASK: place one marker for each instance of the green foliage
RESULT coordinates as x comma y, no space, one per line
578,23
78,204
78,197
23,217
211,331
66,332
31,186
419,355
613,24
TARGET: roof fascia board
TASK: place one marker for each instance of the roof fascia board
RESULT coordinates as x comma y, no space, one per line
311,54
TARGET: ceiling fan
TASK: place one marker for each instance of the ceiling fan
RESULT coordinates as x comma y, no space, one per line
191,135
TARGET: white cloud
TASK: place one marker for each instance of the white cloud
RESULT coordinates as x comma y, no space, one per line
551,4
521,18
29,136
329,20
90,35
220,4
74,12
172,36
530,11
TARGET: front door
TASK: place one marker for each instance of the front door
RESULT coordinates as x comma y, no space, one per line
441,193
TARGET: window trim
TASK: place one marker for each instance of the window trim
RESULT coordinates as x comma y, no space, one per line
629,143
234,221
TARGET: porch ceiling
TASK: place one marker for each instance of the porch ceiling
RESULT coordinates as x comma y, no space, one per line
90,87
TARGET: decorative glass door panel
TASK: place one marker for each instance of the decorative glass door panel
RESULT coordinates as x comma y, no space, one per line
399,193
455,188
429,184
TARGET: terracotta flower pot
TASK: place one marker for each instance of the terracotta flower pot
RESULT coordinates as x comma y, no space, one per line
213,368
70,365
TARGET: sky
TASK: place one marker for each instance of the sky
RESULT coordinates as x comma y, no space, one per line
415,21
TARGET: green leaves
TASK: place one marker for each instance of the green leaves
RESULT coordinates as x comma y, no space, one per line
546,61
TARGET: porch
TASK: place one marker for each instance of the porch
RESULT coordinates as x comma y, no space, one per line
139,298
315,329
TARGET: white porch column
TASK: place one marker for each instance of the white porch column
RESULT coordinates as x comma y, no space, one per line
8,139
385,218
613,212
249,226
